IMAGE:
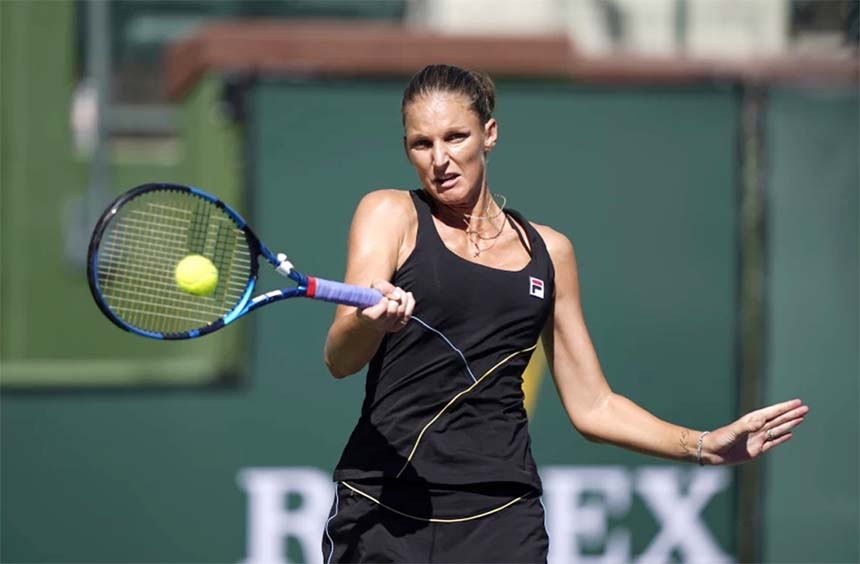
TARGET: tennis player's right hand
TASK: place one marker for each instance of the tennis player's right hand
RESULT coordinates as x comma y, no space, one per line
393,311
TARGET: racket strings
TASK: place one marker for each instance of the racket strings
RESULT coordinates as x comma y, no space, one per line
143,244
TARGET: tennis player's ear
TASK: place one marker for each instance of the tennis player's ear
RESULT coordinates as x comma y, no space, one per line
491,134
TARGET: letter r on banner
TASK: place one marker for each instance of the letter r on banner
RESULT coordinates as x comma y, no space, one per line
270,523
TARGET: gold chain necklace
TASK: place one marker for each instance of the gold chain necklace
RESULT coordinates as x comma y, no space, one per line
475,235
493,196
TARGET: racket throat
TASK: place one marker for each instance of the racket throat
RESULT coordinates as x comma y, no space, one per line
306,284
285,267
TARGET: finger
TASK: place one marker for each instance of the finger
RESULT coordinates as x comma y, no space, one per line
785,417
776,432
775,410
392,308
410,304
401,306
775,442
404,310
396,294
383,286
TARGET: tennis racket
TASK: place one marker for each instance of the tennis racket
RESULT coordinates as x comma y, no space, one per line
141,237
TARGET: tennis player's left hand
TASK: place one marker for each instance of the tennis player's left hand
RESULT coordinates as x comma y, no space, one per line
753,434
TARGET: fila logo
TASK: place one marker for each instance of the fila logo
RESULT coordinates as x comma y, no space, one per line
535,287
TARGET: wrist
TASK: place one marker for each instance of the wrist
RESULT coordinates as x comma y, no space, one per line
700,448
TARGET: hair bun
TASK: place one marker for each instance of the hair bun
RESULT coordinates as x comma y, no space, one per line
488,87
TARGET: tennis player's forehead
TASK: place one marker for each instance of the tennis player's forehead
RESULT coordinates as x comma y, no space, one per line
439,109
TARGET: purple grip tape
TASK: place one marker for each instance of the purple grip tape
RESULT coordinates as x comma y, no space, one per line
345,294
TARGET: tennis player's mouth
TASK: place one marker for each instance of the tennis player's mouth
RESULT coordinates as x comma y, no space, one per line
446,181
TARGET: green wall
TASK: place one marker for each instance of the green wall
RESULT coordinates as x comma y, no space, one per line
642,181
812,332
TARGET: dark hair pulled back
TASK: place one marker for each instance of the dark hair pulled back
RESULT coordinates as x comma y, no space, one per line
477,87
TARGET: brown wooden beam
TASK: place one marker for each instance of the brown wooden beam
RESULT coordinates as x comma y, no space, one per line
352,49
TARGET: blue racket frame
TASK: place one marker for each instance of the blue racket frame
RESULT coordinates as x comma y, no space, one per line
306,286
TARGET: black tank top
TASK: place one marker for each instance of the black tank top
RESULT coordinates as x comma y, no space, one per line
431,414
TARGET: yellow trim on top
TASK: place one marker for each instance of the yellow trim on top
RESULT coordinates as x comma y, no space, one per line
532,379
455,398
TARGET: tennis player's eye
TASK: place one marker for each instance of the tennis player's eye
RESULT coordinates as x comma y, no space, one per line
458,136
420,144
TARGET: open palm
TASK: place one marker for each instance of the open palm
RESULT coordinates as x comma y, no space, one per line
755,433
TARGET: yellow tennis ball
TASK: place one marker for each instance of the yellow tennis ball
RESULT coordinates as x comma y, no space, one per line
196,275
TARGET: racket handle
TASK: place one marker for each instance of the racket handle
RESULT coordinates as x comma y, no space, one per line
340,293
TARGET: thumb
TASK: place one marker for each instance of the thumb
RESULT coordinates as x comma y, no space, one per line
385,287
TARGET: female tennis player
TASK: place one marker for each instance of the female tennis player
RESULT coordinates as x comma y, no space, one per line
439,466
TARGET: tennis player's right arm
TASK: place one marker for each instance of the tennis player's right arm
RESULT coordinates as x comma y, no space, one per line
376,240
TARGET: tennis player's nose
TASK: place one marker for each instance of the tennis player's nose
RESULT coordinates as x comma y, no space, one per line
440,155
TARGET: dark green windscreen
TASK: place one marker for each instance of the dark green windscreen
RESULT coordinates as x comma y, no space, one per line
812,336
643,182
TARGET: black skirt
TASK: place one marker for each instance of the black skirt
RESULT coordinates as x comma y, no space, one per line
389,521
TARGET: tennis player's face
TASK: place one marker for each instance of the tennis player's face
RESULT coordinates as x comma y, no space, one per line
448,147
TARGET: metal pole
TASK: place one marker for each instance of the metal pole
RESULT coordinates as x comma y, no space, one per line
99,74
82,211
752,308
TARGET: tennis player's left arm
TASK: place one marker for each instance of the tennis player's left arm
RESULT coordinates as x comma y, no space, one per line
602,415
